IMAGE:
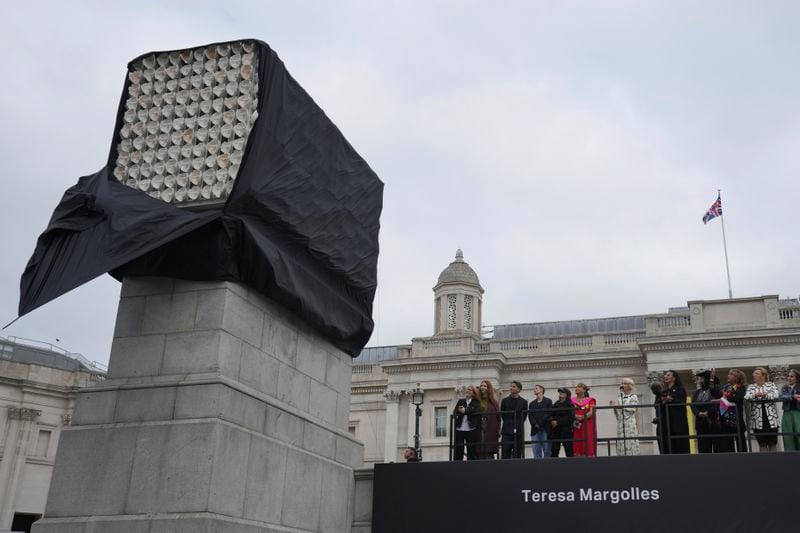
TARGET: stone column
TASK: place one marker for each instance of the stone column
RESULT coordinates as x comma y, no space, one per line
21,423
221,412
9,446
392,398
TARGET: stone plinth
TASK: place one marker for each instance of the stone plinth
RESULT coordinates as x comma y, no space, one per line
221,412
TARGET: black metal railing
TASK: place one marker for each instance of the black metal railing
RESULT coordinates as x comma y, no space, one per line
722,436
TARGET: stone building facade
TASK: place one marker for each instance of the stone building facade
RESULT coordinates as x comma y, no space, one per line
733,333
37,395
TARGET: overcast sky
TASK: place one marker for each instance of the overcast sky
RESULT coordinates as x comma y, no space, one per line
570,148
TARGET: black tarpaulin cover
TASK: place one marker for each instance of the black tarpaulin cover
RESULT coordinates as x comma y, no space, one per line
300,225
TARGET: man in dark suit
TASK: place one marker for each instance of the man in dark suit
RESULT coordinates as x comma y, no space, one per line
468,426
513,410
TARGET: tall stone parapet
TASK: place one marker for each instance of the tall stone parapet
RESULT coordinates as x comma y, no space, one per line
221,412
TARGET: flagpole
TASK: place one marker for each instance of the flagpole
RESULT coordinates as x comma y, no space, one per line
725,246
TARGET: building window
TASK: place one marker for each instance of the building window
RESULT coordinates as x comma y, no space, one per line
441,421
352,429
451,311
468,312
23,521
43,443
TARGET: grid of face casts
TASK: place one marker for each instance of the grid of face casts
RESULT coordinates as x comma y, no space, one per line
187,118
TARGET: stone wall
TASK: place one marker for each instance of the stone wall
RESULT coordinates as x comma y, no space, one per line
362,500
221,412
36,404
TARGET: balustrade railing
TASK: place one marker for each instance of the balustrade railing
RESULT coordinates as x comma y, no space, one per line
47,346
622,338
789,313
738,438
441,343
482,347
528,344
680,321
569,342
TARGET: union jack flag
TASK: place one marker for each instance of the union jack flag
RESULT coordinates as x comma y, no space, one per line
714,211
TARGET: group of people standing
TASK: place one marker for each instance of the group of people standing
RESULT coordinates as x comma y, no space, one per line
721,420
485,426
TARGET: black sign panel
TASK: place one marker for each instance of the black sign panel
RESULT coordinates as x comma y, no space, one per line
720,492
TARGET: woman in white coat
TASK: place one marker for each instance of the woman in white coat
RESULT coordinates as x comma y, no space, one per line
763,413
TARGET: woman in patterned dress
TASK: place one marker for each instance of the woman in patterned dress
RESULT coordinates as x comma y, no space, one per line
584,432
763,414
626,419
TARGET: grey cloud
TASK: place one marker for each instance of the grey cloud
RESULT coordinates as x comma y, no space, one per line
570,150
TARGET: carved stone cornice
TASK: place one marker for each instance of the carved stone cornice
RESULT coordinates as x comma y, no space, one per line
66,420
56,391
392,396
460,391
663,345
23,413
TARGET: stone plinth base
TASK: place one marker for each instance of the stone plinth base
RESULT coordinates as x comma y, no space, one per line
221,412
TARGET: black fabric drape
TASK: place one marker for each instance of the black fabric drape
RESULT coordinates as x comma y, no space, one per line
300,226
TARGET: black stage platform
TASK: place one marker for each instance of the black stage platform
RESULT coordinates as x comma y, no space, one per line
754,492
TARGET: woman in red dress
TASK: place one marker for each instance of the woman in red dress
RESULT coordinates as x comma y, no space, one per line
584,432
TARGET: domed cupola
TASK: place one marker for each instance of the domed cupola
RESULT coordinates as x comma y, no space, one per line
458,299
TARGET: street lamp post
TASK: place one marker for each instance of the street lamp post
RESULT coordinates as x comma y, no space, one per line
417,396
